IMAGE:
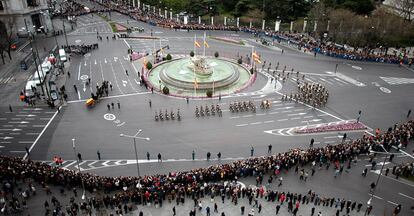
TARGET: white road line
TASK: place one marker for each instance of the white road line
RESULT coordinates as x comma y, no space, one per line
272,113
241,125
130,83
26,142
32,133
79,70
266,122
100,64
17,151
118,96
261,114
406,196
375,196
331,137
116,81
329,142
38,125
322,115
68,165
234,117
296,118
286,111
37,139
246,116
255,123
392,203
282,119
44,119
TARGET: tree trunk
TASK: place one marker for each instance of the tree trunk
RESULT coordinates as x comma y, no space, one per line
9,53
2,57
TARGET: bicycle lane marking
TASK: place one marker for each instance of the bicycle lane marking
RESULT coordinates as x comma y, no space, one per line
116,80
129,80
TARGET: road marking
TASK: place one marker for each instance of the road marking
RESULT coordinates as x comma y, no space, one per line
30,142
375,196
296,118
100,64
286,111
261,114
79,71
255,123
294,114
32,133
116,81
68,165
22,122
38,125
17,151
385,90
246,116
272,113
266,122
329,142
118,96
37,139
392,203
406,196
331,137
234,117
241,125
282,119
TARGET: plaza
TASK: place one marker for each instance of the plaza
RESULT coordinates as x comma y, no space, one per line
119,136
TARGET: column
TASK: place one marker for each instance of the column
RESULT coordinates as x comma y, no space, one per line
327,25
263,24
238,22
225,21
315,26
185,20
291,27
305,23
171,14
139,3
165,14
250,24
159,11
212,20
277,25
178,20
199,20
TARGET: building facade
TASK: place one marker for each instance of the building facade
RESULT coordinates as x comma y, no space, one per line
35,12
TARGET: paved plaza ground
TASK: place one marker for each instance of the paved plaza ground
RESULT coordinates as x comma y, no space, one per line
382,92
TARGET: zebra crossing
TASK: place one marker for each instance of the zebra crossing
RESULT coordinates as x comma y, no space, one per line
333,80
5,80
397,80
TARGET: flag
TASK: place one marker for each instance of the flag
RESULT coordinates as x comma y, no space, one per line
145,63
195,83
197,44
256,57
206,44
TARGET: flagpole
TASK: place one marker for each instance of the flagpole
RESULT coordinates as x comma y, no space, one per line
204,43
195,39
251,60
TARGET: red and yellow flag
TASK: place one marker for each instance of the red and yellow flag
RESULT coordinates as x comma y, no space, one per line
206,44
197,44
195,83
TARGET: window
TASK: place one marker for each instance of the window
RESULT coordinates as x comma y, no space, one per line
32,3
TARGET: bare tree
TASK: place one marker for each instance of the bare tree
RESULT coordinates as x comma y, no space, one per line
405,8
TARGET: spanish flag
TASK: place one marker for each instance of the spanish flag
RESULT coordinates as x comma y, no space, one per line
145,63
195,83
256,57
206,44
197,44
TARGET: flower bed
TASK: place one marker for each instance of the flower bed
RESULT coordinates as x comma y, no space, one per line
229,40
120,28
341,126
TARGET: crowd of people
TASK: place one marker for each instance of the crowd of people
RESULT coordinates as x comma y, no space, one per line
302,41
199,182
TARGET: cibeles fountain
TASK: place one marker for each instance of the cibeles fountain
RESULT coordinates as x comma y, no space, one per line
194,76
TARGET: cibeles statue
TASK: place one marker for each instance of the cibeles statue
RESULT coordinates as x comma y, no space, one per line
200,66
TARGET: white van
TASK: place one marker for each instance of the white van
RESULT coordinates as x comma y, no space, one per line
62,55
28,90
47,66
36,79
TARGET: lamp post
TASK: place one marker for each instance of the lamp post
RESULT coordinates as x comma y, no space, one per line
135,144
34,56
53,27
379,175
79,170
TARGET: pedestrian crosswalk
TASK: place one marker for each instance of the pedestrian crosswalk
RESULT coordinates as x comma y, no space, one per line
5,80
332,80
397,80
